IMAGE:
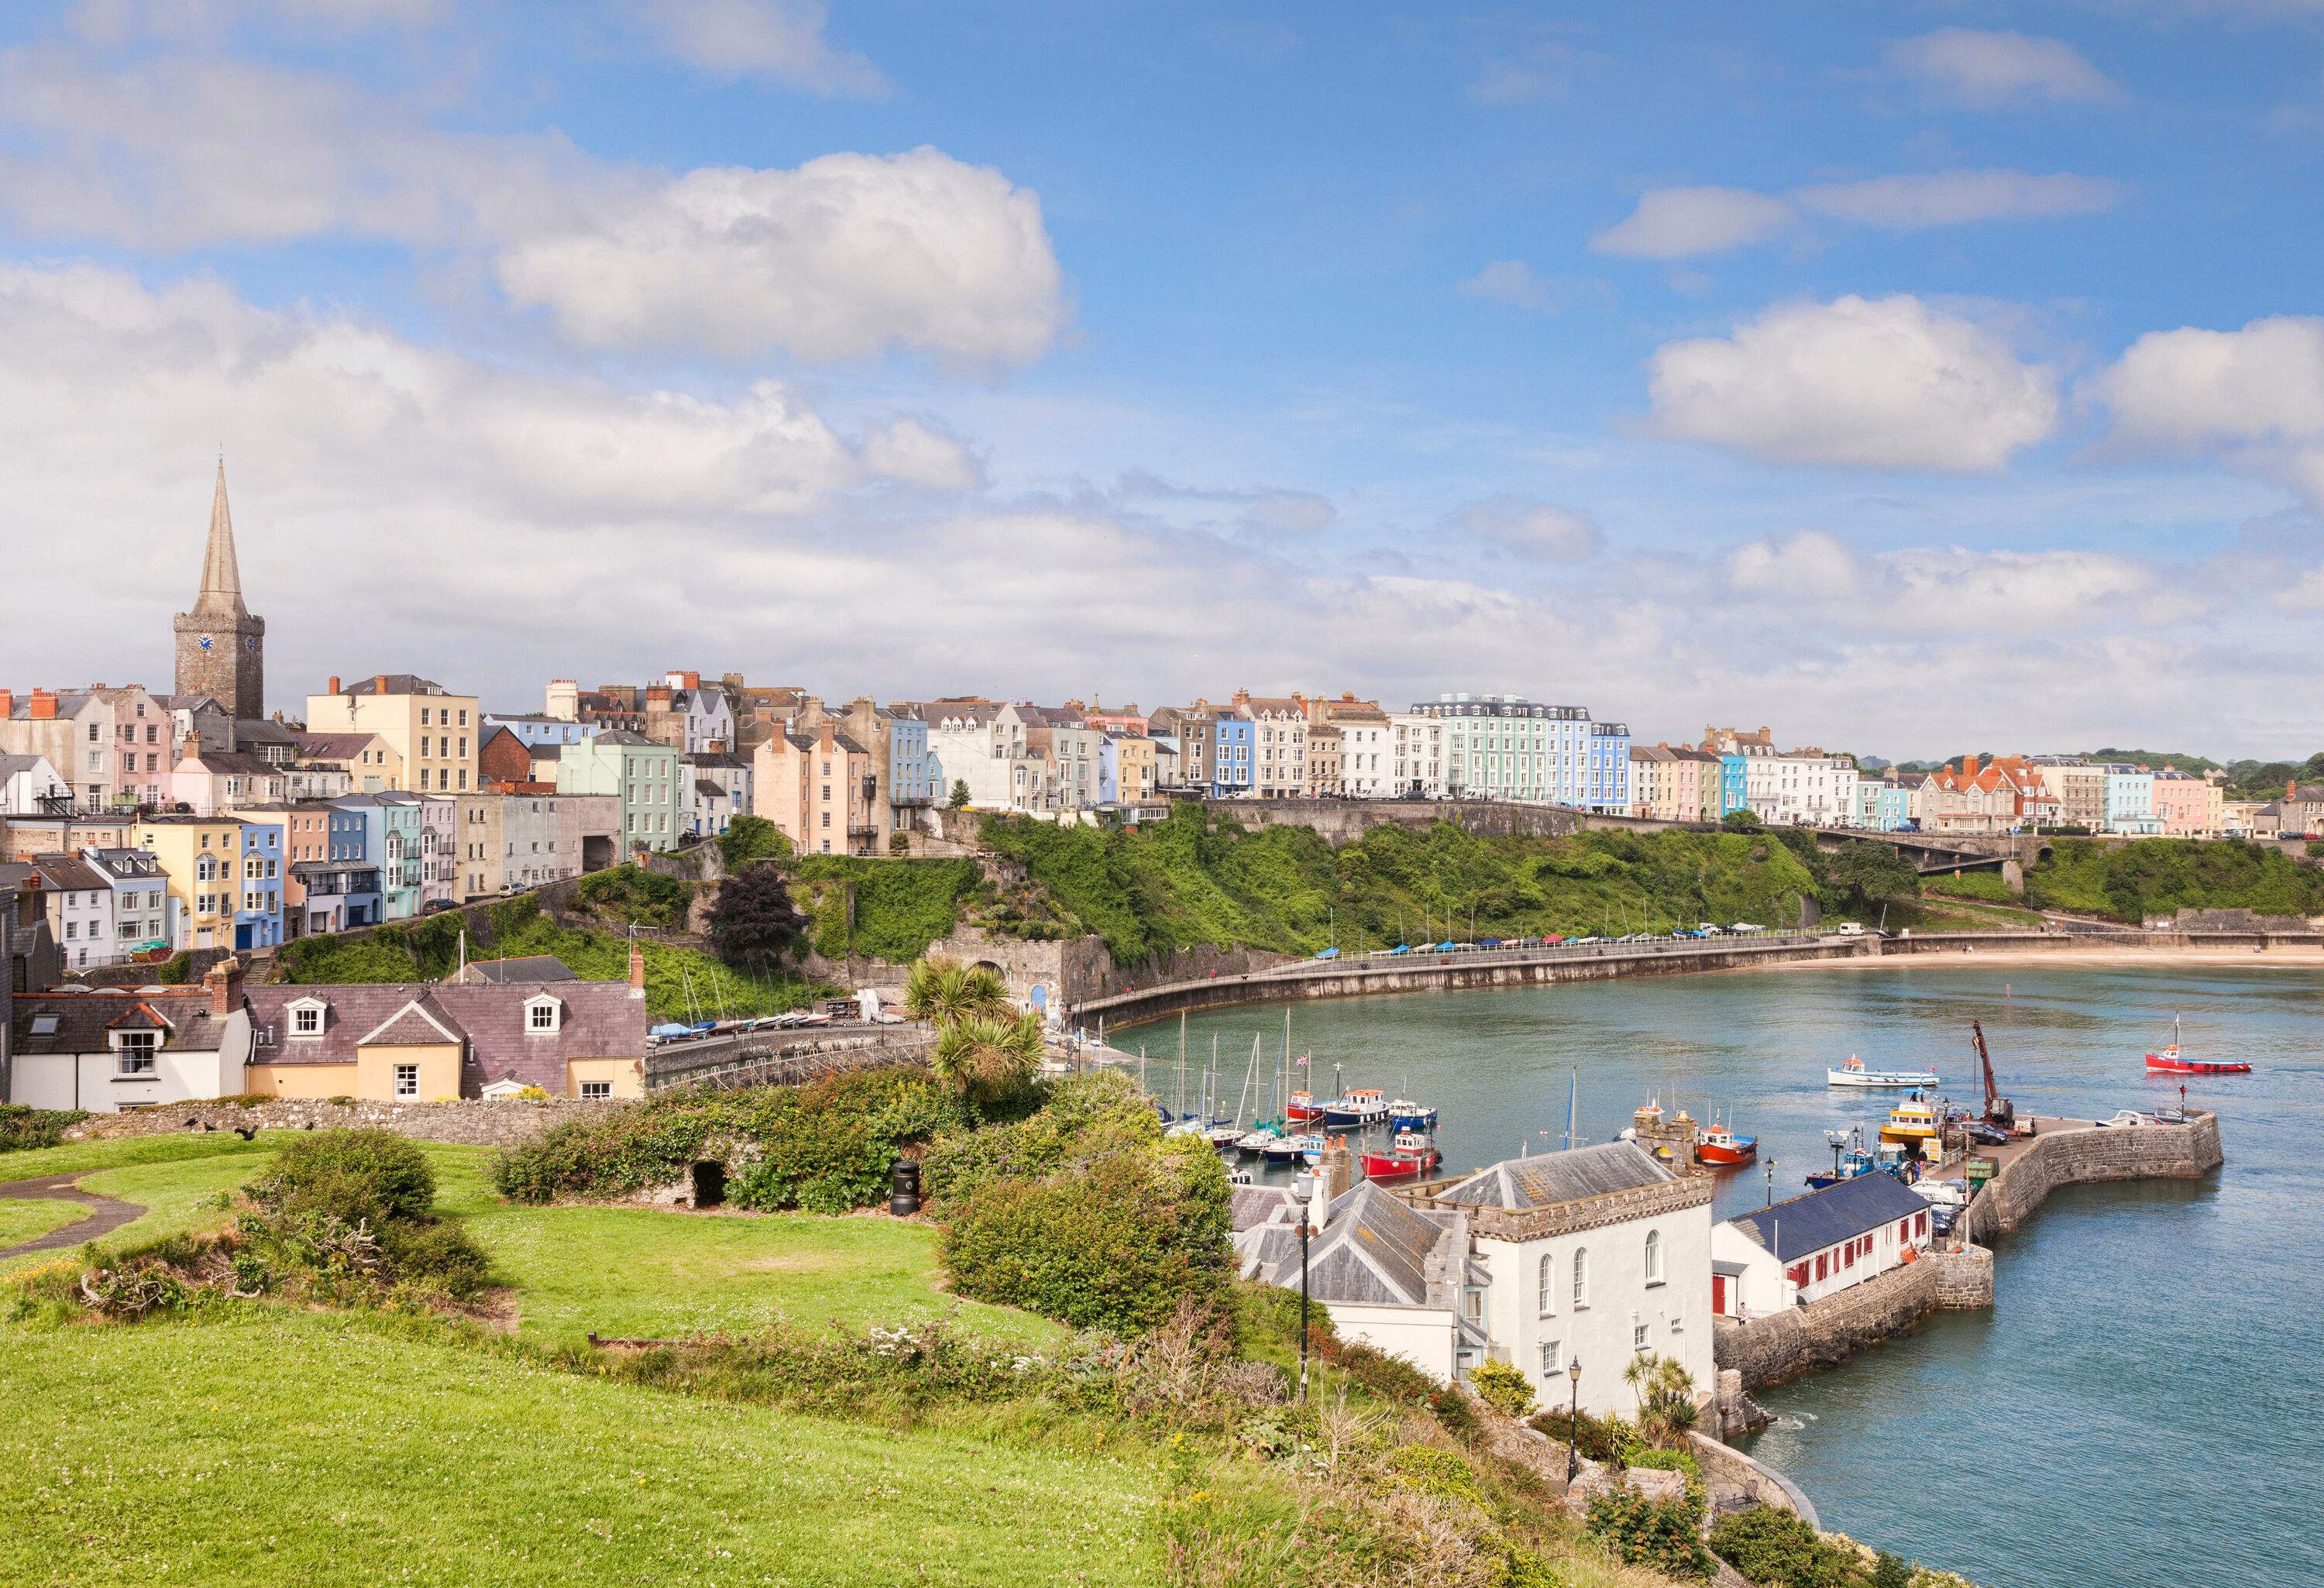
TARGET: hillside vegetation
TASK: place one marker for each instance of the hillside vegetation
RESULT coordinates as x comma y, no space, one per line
2159,876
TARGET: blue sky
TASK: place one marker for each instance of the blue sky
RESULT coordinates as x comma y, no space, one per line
1911,378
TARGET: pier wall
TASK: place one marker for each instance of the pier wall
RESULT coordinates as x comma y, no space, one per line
2085,1156
1826,1333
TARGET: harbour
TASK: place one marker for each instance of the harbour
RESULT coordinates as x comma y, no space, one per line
2061,1400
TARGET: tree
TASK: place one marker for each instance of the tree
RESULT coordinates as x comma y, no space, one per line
960,794
944,991
1745,820
752,837
754,916
1666,1392
1873,873
987,1054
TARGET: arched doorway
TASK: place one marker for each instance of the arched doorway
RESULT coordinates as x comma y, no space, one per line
1038,999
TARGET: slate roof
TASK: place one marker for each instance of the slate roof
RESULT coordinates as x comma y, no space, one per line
69,872
397,684
1373,1249
623,736
1520,1183
334,746
82,1019
231,763
707,789
529,970
721,761
1799,1226
69,703
597,1019
10,765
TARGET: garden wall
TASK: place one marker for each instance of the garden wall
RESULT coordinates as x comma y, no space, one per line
499,1123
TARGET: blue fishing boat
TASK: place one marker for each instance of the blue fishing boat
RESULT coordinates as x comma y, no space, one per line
1404,1114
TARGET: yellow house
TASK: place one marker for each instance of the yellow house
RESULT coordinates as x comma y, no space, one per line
440,1041
200,858
434,737
1134,758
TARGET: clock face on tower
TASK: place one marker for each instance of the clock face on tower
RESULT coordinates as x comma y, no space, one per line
206,642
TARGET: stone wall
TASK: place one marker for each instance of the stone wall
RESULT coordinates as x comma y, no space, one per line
2239,921
1826,1333
499,1123
1735,1481
758,1061
2090,1157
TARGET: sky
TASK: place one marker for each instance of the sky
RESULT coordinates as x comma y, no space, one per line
1911,378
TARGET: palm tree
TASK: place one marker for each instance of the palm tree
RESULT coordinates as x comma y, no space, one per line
988,1054
941,991
1666,1393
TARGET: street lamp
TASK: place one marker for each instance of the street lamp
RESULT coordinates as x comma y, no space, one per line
1303,1193
1572,1420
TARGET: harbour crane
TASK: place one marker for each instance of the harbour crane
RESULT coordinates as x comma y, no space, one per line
1999,1111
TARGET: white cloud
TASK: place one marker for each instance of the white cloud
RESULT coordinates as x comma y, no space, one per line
1948,589
113,22
916,454
1680,223
1991,69
1514,283
1956,198
2304,595
780,40
1869,384
1267,511
1806,564
1677,223
843,257
2255,396
1543,530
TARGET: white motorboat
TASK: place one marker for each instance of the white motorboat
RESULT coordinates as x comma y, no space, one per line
1854,1073
1942,1193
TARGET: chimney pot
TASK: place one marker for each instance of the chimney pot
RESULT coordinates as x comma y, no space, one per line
379,683
224,981
637,972
43,703
335,685
7,703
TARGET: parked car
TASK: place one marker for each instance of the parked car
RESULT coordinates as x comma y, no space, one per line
437,907
1983,1134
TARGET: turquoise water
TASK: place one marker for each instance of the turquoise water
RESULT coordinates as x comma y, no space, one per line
2132,1413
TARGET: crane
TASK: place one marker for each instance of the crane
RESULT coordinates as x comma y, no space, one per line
1998,1110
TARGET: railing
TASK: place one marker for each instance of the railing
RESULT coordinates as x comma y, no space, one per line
1537,953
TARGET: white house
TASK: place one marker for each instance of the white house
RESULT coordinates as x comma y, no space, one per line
1420,759
1808,1247
105,1050
1801,788
1598,1253
28,780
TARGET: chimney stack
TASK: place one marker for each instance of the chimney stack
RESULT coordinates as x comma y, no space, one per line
224,981
43,704
636,970
379,683
7,704
335,685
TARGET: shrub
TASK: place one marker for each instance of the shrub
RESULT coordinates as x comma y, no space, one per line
353,1174
629,893
1439,1474
1601,1439
440,1257
752,837
1080,1119
1776,1549
1503,1387
1117,1244
23,1128
1656,1533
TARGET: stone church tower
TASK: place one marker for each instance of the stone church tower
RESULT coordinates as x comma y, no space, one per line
221,648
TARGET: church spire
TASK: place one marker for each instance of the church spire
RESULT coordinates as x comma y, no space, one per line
221,574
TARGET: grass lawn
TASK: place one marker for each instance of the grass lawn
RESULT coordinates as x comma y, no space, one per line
27,1220
634,1271
274,1447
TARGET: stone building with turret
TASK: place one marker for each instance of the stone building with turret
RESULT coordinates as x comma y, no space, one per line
221,647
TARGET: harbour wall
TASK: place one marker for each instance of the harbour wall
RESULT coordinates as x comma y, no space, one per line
2087,1156
1823,1334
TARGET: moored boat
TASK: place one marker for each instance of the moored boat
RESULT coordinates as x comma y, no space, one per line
1358,1108
2174,1061
1302,1109
1720,1147
1854,1073
1413,1155
1913,1126
1848,1159
1287,1149
1404,1114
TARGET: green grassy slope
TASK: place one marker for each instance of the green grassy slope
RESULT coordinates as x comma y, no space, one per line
284,1447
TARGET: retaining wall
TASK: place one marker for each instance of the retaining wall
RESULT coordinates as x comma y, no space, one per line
2090,1157
1732,1476
758,1061
499,1123
1823,1334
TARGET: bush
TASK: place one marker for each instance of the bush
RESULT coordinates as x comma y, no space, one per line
357,1175
753,918
1776,1549
440,1257
1080,1119
1656,1533
23,1128
752,837
1503,1387
1115,1245
630,894
1438,1474
1608,1439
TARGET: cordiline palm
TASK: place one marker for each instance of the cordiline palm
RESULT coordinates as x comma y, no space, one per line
1666,1392
943,990
987,1054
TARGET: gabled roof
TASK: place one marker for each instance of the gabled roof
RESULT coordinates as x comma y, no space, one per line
65,870
1800,1227
597,1019
1372,1249
78,1023
334,746
1520,1183
410,1026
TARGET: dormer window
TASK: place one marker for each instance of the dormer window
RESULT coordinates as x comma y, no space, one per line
306,1017
543,1015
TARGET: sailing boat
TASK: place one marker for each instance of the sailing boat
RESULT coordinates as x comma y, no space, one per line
2173,1061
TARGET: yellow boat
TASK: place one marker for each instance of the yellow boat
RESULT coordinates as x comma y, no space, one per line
1913,1126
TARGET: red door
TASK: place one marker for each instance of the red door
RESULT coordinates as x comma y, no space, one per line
1719,1294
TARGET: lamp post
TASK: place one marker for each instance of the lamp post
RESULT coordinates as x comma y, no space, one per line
1572,1420
1307,1198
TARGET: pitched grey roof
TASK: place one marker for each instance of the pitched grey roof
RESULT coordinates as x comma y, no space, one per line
597,1019
1373,1248
623,736
333,746
1799,1226
1551,1178
10,765
708,789
528,970
397,684
78,1021
67,871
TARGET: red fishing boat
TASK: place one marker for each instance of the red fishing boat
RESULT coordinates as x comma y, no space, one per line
1303,1109
2174,1061
1722,1148
1412,1156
